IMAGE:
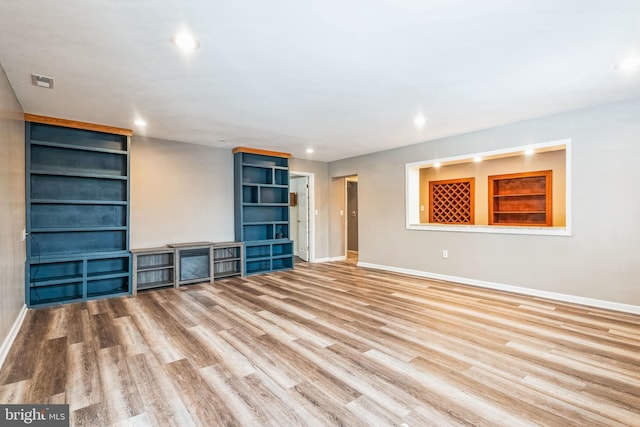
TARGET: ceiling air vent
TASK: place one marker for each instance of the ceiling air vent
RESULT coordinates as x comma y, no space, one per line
42,81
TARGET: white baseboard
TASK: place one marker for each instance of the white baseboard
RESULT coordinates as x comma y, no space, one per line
330,259
13,332
609,305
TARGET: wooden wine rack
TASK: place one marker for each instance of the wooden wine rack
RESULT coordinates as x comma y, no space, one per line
452,201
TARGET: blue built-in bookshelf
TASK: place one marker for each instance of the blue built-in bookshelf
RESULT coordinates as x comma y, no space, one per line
262,209
77,195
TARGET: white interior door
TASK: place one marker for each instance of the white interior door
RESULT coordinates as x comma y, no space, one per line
303,219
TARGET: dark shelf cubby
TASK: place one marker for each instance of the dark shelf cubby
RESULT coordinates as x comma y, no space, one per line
58,187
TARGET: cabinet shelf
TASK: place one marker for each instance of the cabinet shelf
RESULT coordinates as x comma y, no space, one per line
284,205
159,267
77,147
265,222
153,268
258,258
226,259
226,274
265,165
254,156
97,276
78,174
35,283
196,280
77,202
520,195
521,199
54,258
263,185
153,285
523,212
75,229
109,293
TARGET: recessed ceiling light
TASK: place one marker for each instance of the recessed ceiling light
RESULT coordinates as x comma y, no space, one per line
140,122
529,151
477,159
185,42
437,165
309,150
420,121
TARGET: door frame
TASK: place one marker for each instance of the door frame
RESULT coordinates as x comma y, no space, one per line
311,217
347,179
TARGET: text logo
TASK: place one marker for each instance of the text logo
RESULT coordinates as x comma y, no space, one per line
34,415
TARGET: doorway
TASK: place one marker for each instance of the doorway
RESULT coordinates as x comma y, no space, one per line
300,215
352,218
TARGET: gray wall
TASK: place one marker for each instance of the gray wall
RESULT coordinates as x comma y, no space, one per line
600,260
180,193
12,206
184,193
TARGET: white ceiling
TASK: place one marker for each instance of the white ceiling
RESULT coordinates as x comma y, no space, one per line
344,77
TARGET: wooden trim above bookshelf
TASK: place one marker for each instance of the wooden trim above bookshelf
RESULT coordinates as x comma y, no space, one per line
34,118
261,152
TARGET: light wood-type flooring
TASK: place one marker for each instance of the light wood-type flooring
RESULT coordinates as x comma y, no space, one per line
329,344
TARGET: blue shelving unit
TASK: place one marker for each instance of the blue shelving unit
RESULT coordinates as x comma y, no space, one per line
262,209
77,190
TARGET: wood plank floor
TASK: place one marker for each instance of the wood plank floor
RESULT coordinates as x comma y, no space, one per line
329,344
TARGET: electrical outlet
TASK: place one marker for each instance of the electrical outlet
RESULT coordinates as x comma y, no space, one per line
24,234
421,208
445,254
341,212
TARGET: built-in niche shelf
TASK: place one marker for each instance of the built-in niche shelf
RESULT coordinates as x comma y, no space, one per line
153,268
261,180
268,256
53,280
228,259
186,263
521,199
77,190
